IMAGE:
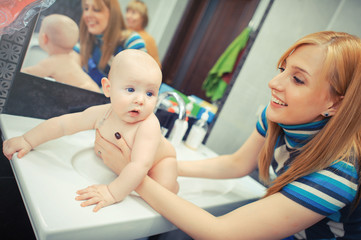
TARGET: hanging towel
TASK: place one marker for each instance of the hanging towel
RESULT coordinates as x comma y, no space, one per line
214,85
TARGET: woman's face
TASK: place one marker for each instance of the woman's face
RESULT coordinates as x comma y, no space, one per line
134,20
299,95
96,19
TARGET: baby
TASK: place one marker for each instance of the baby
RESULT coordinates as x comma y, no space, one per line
133,84
57,36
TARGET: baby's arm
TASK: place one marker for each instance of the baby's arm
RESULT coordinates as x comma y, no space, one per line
43,69
51,129
143,154
144,149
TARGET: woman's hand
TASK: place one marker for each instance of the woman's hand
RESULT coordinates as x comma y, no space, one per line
96,194
113,156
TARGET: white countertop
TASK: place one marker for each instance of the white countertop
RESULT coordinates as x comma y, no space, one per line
50,175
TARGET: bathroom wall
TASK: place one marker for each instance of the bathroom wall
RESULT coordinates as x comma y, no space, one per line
287,21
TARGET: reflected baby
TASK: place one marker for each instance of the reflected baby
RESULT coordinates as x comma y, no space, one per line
57,36
132,86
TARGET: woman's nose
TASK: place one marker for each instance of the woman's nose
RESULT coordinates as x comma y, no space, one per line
277,82
87,13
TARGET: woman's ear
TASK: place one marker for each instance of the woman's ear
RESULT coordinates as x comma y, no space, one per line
333,109
106,86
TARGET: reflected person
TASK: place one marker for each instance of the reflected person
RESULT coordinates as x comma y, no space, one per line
309,134
137,20
58,35
133,85
102,35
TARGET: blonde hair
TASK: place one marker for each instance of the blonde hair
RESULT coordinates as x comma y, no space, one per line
115,33
341,137
139,6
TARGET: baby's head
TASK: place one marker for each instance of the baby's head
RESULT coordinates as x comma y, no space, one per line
133,84
58,32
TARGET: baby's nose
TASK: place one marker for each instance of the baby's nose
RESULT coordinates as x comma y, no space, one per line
139,99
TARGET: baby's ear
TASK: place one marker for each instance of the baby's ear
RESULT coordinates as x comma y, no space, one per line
45,38
106,86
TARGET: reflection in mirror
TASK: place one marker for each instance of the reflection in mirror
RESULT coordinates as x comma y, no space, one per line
57,36
41,61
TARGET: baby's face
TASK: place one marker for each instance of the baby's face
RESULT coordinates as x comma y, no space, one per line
134,93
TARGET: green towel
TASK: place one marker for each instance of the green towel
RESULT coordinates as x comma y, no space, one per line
214,84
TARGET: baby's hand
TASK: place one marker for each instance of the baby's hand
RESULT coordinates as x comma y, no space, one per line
16,144
96,194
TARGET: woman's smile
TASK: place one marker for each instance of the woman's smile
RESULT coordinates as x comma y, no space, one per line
278,101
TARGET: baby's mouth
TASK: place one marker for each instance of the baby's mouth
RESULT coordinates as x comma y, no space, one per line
134,112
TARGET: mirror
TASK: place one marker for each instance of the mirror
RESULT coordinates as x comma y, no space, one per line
163,21
183,29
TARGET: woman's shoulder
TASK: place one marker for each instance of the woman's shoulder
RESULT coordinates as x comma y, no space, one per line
132,40
146,36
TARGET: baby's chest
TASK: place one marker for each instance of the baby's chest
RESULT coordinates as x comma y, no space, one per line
109,130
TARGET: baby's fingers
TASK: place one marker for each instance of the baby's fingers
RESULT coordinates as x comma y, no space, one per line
9,156
8,152
90,201
23,152
100,205
82,191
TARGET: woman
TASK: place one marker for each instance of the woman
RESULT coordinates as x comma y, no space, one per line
137,20
102,35
309,133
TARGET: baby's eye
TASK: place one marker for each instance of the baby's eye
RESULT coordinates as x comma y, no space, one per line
149,94
130,89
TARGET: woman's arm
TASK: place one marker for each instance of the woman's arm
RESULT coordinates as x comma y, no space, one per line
274,217
238,164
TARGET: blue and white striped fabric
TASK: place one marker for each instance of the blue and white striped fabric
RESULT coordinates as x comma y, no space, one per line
135,41
329,192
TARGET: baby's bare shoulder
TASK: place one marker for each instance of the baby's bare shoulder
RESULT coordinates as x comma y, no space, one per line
165,149
150,124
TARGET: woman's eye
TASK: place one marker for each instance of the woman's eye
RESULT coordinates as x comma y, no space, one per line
298,81
130,89
282,69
